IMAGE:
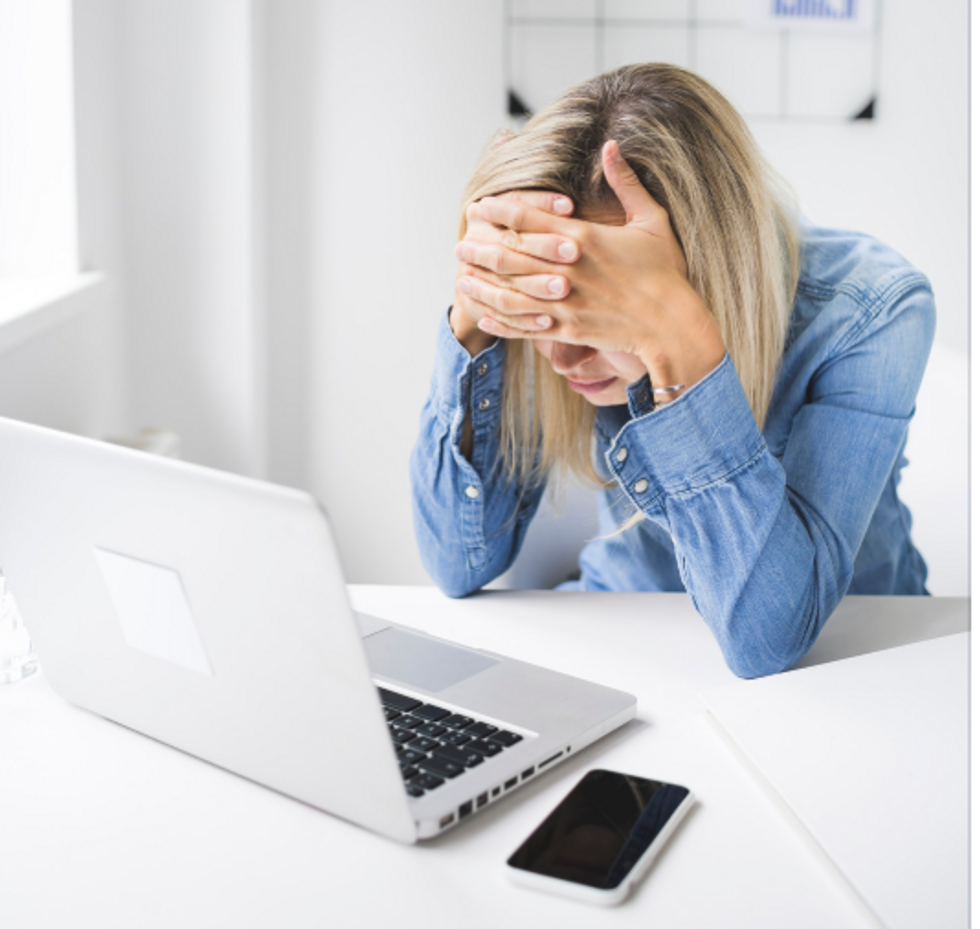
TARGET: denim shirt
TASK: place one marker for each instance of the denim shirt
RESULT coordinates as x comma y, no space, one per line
766,530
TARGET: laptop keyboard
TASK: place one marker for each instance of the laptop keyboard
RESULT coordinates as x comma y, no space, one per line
435,744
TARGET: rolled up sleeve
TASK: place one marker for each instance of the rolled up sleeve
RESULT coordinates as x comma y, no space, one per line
470,520
766,545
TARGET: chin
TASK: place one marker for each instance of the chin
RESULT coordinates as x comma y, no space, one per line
611,396
603,400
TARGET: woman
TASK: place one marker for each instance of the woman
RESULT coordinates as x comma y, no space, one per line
637,304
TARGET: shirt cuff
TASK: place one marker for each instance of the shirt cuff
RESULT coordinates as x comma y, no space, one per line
455,372
699,439
639,397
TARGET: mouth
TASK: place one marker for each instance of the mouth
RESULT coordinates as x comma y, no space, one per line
590,387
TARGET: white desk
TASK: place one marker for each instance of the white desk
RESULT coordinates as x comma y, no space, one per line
101,827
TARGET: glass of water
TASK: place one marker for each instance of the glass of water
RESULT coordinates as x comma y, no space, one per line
17,658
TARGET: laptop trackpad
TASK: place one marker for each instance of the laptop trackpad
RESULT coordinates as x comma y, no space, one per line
420,662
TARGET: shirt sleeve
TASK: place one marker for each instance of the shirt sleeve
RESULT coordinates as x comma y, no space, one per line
766,545
470,520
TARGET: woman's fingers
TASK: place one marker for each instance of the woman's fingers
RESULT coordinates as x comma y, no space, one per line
540,286
494,243
502,330
538,254
519,216
545,200
508,307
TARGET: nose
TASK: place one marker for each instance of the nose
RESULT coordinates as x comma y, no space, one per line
566,358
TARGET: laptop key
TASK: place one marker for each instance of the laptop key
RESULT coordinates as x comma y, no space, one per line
480,730
407,721
431,730
430,712
441,766
421,744
414,791
456,739
468,759
506,738
398,701
485,748
402,735
426,781
457,722
409,755
391,714
408,771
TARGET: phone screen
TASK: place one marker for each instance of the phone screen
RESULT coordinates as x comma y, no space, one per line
600,830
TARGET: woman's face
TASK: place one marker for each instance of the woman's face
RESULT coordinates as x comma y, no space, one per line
599,376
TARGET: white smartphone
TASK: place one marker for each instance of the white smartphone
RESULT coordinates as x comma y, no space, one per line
601,839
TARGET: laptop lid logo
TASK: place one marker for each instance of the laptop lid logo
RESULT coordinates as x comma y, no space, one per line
153,610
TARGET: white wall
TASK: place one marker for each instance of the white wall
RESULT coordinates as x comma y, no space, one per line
405,103
286,50
189,190
902,176
73,376
37,170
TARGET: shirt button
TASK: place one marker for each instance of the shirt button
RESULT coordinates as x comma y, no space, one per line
621,454
641,485
485,403
482,369
472,492
643,397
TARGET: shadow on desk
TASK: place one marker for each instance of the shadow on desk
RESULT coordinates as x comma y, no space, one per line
862,625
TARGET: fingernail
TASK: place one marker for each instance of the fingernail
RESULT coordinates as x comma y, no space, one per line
562,205
543,321
557,285
617,155
566,250
460,252
486,324
464,285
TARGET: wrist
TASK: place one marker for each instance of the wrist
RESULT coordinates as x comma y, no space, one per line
695,350
472,338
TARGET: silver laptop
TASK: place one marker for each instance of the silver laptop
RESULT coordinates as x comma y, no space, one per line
209,611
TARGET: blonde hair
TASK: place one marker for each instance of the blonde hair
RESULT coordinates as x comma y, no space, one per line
695,156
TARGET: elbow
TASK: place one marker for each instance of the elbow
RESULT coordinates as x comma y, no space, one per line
752,656
748,668
760,637
453,577
456,587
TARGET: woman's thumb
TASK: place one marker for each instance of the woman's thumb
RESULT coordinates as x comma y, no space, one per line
640,208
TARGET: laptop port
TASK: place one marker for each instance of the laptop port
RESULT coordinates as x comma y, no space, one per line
495,792
526,774
466,809
446,820
482,800
511,783
549,760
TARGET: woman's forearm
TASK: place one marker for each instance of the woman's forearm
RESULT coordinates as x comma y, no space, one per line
470,520
765,546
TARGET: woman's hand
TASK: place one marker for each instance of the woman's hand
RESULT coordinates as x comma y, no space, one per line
627,292
507,255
